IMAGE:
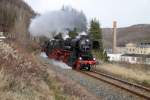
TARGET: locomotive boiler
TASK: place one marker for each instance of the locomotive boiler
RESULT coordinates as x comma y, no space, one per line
76,52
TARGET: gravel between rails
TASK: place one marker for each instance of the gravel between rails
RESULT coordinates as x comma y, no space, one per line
100,89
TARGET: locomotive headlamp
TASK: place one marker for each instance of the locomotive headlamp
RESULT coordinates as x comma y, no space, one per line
80,58
94,58
87,40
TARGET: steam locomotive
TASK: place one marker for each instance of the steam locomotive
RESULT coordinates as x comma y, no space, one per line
74,52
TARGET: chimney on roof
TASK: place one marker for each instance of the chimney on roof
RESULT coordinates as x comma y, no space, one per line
114,36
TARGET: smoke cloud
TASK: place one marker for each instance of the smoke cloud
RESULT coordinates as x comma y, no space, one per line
52,23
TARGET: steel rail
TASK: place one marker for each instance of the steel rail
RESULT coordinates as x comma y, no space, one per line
123,81
106,78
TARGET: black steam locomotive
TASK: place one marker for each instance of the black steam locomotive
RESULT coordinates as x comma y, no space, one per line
74,52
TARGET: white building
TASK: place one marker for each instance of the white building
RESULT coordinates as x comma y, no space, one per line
2,37
132,53
148,60
135,58
141,48
130,58
114,57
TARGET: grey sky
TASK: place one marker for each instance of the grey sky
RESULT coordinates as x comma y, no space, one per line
126,12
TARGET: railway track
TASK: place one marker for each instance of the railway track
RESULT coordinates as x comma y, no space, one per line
138,90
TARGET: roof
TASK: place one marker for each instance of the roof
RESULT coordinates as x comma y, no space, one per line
131,45
137,55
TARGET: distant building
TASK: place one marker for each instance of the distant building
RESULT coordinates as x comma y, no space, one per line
141,48
144,45
114,57
2,37
135,58
1,33
130,53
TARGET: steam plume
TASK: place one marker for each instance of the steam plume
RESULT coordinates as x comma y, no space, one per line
55,63
52,23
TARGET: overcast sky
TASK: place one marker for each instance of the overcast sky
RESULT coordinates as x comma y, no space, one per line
125,12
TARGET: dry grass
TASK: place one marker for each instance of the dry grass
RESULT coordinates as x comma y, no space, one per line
15,89
132,74
22,79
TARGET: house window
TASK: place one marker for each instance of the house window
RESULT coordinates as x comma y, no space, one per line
133,50
133,58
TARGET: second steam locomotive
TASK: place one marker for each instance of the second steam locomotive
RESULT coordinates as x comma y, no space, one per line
75,52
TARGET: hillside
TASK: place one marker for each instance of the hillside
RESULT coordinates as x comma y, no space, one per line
15,18
135,33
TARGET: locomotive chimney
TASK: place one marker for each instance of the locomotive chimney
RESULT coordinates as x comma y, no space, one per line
114,36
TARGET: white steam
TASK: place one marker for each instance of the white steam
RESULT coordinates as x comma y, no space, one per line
52,23
80,34
60,64
55,62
